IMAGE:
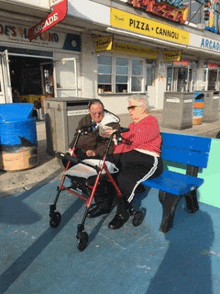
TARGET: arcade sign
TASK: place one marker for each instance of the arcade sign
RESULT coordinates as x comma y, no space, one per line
59,12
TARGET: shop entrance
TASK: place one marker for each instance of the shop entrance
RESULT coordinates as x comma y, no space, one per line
31,78
25,78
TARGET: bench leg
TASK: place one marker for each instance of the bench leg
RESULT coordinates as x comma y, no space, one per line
169,202
192,202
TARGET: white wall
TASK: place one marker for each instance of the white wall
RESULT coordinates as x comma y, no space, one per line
160,81
90,11
89,67
38,3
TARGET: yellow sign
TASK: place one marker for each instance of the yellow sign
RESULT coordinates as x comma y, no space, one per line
103,43
124,20
172,55
107,44
131,49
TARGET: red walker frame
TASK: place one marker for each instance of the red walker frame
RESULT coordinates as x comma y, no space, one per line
55,216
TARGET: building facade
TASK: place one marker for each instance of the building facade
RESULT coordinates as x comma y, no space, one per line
104,49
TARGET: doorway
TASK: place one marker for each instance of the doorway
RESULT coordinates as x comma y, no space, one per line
30,78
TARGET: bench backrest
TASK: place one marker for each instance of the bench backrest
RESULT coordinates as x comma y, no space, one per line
185,149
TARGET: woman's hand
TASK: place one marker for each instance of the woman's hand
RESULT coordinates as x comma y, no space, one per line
108,132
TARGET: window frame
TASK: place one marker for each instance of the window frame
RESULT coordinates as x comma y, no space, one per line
145,64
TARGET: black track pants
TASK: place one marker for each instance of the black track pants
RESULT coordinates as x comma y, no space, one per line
134,168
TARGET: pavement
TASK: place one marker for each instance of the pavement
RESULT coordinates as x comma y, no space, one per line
50,168
38,259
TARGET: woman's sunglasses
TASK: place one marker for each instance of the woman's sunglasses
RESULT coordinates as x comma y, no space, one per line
132,107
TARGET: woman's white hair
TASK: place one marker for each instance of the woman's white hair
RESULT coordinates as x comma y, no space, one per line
140,98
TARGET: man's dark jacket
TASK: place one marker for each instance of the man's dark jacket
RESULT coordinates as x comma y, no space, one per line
92,140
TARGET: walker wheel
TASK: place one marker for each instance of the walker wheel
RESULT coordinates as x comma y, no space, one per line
137,218
55,220
82,241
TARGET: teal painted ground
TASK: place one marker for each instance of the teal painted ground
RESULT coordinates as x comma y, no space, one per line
38,259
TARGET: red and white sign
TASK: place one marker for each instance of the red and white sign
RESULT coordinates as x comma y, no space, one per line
57,15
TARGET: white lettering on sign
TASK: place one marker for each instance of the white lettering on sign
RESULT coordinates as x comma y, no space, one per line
215,97
188,101
43,25
174,100
77,112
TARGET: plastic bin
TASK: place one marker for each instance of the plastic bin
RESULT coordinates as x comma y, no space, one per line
18,137
178,110
62,116
198,108
211,106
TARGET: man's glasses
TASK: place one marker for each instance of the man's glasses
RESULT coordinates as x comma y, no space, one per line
96,113
132,107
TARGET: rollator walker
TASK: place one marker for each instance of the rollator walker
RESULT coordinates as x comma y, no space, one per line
86,177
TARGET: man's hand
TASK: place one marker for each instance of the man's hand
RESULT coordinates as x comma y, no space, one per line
90,153
70,151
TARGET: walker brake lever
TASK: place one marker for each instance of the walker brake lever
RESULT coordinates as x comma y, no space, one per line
86,128
118,133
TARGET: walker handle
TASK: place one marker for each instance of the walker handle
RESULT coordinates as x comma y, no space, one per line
86,127
121,130
124,130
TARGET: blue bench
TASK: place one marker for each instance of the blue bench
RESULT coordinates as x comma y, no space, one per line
191,152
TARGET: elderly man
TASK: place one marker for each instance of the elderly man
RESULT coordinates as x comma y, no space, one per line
93,144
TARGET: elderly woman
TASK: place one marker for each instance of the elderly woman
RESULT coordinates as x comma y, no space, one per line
137,157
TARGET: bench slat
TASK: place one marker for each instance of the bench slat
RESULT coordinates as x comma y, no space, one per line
174,183
194,143
183,156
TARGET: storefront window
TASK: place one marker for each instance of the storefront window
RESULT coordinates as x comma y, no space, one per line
181,76
212,79
137,75
150,76
47,78
121,75
169,78
105,73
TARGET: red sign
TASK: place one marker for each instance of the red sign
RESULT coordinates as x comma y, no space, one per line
181,63
161,9
57,15
210,65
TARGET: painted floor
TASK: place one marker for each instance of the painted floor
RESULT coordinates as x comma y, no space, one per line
133,260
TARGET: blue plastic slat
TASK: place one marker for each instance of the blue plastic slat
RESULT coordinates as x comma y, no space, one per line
15,112
17,125
174,183
186,142
184,156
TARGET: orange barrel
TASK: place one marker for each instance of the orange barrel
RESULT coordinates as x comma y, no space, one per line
198,108
18,137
